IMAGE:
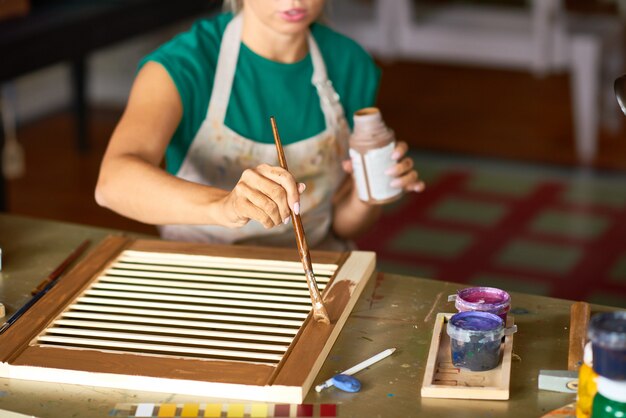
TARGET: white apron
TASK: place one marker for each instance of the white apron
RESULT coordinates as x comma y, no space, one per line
218,156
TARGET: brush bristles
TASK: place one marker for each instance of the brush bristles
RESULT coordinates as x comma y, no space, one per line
320,314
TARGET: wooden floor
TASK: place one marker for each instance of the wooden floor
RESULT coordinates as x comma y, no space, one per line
59,181
461,111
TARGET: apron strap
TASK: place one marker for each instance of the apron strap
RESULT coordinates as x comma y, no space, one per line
329,99
225,71
227,66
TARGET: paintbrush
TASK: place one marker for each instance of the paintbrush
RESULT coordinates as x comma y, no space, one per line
45,285
59,270
319,311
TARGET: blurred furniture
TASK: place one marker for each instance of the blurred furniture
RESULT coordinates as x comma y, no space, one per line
540,37
12,8
68,30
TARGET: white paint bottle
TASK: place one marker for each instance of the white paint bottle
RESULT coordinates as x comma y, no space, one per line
371,146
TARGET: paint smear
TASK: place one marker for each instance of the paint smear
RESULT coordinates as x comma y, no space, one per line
167,410
235,410
520,311
305,410
281,411
213,410
258,410
328,410
432,309
190,410
144,410
218,410
380,277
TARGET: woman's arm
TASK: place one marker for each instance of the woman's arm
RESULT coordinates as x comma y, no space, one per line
132,183
351,216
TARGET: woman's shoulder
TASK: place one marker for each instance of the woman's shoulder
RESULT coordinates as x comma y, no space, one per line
196,47
337,46
201,40
208,32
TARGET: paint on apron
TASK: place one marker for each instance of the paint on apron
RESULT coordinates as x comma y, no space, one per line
218,156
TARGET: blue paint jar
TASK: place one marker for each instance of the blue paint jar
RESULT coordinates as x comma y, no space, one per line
607,332
476,339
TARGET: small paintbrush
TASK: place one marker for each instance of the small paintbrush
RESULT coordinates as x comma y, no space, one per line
45,285
319,311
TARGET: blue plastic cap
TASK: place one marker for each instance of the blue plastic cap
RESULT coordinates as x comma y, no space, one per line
346,383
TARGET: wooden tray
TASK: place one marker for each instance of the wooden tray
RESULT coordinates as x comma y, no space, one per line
443,380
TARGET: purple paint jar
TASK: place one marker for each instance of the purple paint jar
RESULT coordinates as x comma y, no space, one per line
607,332
483,299
475,339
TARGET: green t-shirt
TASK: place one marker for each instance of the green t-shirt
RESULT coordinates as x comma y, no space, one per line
262,87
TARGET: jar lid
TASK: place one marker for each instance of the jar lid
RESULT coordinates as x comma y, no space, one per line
475,326
483,299
608,330
612,389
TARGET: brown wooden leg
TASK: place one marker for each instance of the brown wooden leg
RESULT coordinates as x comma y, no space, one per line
3,189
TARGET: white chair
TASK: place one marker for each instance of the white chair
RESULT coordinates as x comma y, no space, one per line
540,38
371,23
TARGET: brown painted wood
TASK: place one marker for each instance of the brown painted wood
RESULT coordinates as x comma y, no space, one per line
24,355
579,320
14,339
313,337
138,364
240,251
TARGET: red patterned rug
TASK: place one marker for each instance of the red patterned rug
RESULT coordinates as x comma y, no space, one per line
521,228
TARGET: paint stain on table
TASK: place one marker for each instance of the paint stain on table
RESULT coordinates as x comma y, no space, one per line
224,410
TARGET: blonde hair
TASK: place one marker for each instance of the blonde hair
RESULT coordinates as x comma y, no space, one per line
234,6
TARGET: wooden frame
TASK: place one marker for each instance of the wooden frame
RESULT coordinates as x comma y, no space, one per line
110,323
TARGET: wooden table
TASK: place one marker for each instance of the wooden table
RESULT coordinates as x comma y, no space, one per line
393,311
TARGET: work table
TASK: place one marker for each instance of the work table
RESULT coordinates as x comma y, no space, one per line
393,311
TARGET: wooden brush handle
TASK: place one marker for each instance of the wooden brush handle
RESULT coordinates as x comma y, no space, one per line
319,311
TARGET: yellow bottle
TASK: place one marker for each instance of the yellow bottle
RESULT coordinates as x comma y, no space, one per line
586,384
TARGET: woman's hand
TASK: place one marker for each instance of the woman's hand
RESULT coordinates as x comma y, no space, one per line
404,176
352,216
264,194
402,173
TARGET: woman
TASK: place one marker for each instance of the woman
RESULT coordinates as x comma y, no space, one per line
203,100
